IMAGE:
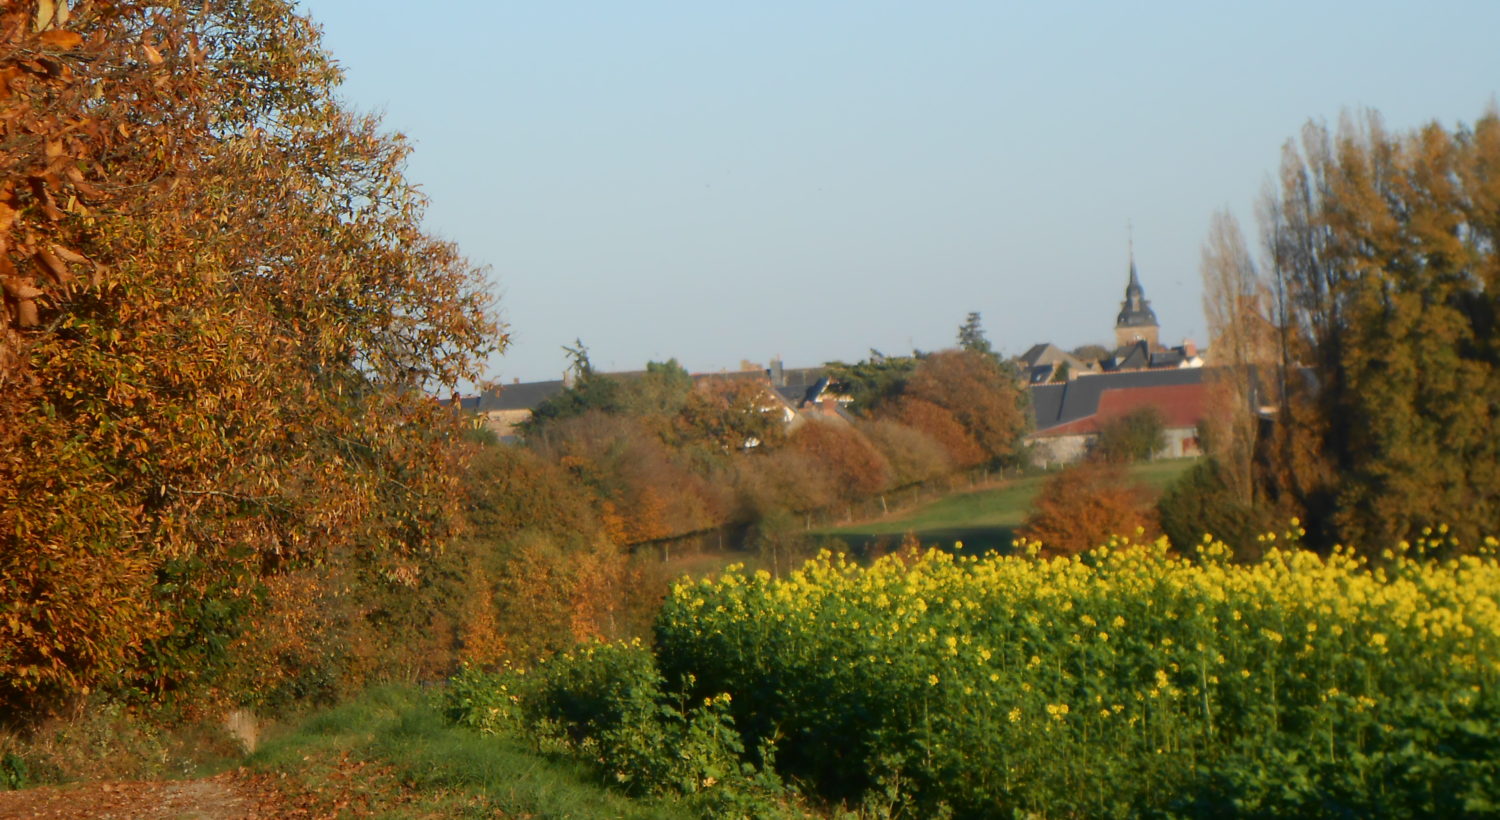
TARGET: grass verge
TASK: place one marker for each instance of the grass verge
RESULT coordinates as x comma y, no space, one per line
391,753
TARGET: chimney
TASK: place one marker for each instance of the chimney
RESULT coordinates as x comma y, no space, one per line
516,380
777,373
1189,348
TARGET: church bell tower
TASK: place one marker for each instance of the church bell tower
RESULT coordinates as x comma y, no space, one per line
1137,321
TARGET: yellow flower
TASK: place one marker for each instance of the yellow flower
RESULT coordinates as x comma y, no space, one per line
932,680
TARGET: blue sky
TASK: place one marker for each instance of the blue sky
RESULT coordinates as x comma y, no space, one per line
726,181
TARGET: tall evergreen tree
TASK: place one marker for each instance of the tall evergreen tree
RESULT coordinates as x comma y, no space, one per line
971,336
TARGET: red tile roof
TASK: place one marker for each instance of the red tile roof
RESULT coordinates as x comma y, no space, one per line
1181,405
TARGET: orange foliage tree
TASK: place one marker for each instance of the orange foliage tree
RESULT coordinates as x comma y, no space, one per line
1080,507
937,423
220,329
857,468
644,490
914,456
982,397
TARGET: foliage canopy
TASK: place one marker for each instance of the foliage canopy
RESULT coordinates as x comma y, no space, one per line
221,328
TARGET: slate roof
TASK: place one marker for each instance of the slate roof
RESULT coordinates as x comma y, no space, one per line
523,396
1171,357
1040,374
1041,363
1044,353
803,377
1136,310
1054,405
1133,357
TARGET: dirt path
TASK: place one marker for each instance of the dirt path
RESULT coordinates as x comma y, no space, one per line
237,795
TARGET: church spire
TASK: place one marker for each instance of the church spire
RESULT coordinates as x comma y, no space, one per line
1136,321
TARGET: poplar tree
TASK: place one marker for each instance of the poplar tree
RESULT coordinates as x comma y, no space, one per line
1383,247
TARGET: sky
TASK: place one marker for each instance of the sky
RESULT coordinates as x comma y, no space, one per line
726,181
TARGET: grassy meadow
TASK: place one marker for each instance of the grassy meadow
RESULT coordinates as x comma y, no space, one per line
983,519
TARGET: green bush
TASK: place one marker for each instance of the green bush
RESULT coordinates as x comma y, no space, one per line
1135,436
609,704
1200,503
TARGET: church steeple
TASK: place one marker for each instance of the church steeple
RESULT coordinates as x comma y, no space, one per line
1137,321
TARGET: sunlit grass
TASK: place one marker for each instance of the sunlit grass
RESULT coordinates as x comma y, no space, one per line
984,519
436,769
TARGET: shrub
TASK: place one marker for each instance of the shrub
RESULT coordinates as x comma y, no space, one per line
609,703
1079,508
1200,503
1135,436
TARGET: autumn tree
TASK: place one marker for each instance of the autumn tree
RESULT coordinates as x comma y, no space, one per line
1081,507
1382,249
914,456
858,469
1237,304
662,391
731,415
222,328
982,396
938,424
644,491
784,480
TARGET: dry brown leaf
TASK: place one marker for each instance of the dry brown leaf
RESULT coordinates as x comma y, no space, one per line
46,12
152,55
20,289
51,265
68,255
26,315
58,38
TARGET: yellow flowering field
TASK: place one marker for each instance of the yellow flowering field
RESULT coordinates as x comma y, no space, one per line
1120,682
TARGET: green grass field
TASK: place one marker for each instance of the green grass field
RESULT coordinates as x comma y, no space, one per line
984,519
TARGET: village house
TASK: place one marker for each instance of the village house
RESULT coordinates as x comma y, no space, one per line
1070,412
1070,415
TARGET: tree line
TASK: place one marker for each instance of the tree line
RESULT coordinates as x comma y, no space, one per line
1361,391
627,461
